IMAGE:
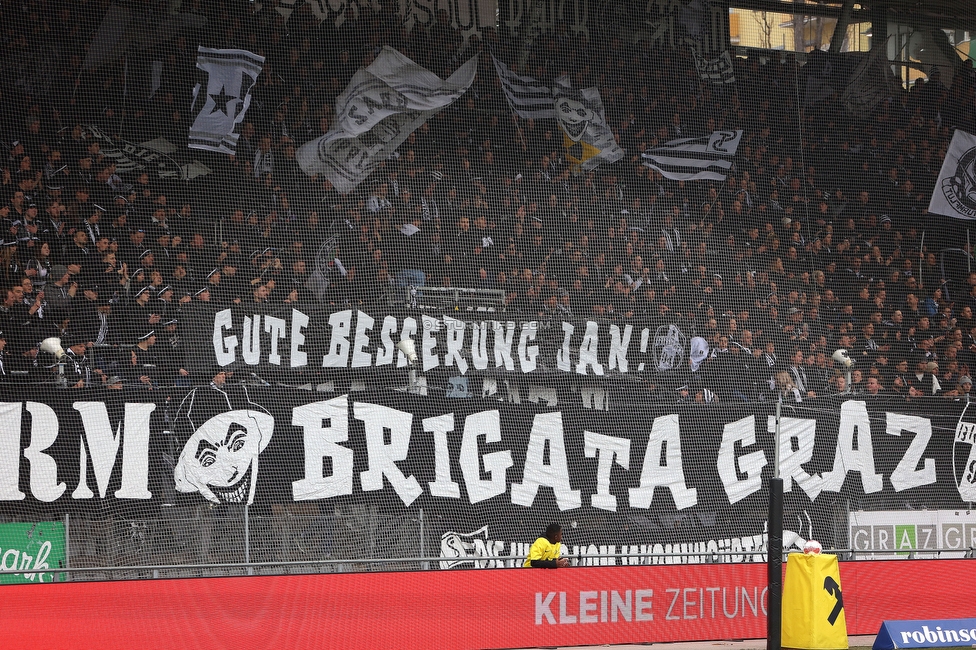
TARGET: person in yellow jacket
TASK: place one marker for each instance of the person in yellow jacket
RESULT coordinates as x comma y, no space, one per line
544,553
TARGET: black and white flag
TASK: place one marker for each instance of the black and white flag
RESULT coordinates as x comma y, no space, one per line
718,70
955,190
221,106
587,138
868,84
382,105
694,159
155,154
528,97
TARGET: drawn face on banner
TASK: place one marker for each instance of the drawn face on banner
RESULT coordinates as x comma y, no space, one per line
220,460
574,116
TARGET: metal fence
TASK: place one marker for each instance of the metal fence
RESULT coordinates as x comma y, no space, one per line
303,538
203,542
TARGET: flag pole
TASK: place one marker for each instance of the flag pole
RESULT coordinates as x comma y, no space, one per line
718,194
921,258
511,109
695,59
74,90
125,93
774,546
518,128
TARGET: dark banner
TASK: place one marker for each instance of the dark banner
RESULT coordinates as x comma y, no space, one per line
489,475
664,23
290,340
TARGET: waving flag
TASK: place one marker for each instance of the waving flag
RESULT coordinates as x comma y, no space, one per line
528,97
381,106
692,159
868,84
718,70
230,75
955,190
587,138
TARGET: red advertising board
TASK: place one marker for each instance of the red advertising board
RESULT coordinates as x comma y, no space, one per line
500,608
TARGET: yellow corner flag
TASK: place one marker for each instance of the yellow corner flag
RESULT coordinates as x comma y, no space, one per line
813,605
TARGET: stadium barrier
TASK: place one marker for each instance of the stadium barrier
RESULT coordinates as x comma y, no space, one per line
306,477
498,608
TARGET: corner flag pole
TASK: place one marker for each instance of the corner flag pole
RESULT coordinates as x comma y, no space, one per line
774,549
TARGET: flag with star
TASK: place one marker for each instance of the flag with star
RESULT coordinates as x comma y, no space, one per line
222,97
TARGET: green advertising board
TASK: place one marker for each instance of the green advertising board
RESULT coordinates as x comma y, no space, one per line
32,548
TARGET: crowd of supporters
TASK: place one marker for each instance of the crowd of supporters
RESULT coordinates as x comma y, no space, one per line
818,240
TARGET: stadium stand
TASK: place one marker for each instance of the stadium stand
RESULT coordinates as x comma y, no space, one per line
818,239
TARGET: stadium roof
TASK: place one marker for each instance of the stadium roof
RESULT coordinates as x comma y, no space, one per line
947,14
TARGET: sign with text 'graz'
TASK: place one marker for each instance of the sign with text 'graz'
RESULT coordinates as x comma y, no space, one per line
900,534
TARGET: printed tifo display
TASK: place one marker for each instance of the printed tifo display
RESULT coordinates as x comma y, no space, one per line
686,483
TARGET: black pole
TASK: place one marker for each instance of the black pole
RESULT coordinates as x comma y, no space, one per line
774,566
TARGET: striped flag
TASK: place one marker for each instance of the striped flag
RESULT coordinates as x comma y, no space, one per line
718,70
694,159
528,97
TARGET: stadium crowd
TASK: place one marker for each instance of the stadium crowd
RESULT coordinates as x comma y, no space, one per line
819,239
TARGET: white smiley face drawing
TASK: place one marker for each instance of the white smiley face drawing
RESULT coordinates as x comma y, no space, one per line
220,460
574,116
